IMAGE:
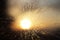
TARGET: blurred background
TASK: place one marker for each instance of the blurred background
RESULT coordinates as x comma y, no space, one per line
44,13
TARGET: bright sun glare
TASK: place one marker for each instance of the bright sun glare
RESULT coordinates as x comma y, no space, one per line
25,23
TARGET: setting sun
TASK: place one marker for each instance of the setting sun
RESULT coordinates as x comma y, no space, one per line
25,24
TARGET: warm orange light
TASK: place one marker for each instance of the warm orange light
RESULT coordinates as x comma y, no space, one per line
25,24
